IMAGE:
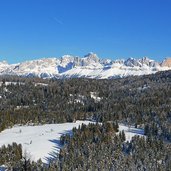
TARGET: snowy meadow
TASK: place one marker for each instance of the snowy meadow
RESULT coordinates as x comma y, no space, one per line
43,141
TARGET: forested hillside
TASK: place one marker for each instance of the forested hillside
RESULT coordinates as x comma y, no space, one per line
143,101
97,147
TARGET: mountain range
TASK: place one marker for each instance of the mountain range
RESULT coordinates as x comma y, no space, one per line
89,66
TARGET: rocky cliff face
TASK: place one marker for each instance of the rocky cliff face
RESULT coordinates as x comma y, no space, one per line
90,66
166,62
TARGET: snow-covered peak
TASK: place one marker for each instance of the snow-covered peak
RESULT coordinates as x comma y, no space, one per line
90,66
143,62
3,65
91,57
45,67
131,62
67,58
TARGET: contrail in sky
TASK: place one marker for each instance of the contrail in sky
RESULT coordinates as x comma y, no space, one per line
58,21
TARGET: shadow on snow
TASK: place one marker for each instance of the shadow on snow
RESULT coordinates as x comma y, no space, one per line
53,155
136,131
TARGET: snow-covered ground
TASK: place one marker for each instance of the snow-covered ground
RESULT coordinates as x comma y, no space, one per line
130,131
44,141
39,141
11,83
94,95
3,168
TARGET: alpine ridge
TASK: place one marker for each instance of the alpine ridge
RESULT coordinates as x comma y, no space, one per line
89,66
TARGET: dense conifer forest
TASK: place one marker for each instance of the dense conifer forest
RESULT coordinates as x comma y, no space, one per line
141,101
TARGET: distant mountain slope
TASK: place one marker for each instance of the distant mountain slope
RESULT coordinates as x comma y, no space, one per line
90,66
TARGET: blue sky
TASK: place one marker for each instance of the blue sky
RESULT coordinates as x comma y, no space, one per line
31,29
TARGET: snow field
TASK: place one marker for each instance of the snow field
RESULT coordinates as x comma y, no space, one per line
130,131
43,141
39,141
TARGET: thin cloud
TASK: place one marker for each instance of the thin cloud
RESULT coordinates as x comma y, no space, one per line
58,21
